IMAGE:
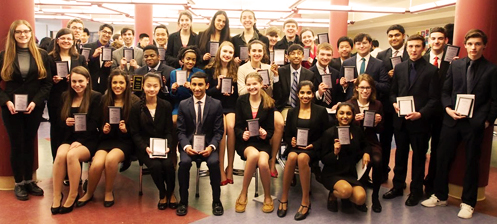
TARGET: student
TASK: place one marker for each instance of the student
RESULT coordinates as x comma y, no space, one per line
327,96
183,38
417,78
118,59
151,118
471,75
438,42
76,26
344,46
313,118
272,34
396,37
364,63
249,34
143,40
290,28
161,36
339,171
218,31
308,38
115,143
24,69
64,51
199,115
77,146
117,41
100,69
85,36
255,150
152,63
223,66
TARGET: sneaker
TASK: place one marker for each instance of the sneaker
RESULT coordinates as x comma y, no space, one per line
466,211
433,201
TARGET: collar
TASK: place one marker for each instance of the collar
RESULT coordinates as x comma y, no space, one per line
129,47
318,66
254,37
156,67
293,70
432,56
401,51
362,105
202,100
367,57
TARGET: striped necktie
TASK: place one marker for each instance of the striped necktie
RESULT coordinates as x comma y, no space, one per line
327,93
293,93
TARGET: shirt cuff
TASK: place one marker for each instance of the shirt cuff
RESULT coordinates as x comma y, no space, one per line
213,147
186,146
276,79
318,97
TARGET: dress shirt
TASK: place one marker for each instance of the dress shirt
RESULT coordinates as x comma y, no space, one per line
401,51
202,106
432,58
299,70
359,62
321,71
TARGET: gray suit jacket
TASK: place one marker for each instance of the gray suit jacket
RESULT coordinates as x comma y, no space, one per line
118,54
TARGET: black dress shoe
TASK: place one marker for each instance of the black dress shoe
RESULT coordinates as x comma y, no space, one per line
182,210
282,212
172,205
346,206
162,206
301,216
332,204
33,189
56,210
83,203
20,192
109,203
413,199
376,205
362,208
64,210
217,208
392,193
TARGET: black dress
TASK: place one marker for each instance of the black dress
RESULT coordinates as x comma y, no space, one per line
228,102
343,166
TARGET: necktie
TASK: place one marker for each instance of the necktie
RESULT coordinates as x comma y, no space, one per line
395,53
412,75
470,77
327,93
293,93
152,70
363,66
199,117
435,62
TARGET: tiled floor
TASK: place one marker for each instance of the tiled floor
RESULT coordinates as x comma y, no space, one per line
132,208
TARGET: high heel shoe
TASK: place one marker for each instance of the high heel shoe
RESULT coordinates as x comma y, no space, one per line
83,203
64,210
301,216
282,212
109,203
57,209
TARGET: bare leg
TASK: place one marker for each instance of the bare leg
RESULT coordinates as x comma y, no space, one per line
94,173
288,173
59,172
74,157
279,125
114,157
222,148
305,179
342,189
358,196
230,130
252,155
265,176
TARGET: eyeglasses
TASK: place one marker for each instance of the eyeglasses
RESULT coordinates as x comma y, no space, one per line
364,88
22,31
76,28
65,39
106,32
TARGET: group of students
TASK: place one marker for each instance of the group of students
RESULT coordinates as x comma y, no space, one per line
320,112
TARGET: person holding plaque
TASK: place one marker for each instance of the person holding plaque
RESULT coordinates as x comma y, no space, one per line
328,92
369,115
25,71
161,35
183,38
477,76
223,68
304,127
151,118
418,79
115,143
100,60
63,58
340,174
200,128
217,32
250,33
308,38
344,47
254,128
80,119
127,58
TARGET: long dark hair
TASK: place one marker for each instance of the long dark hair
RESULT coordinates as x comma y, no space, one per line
189,15
68,96
109,96
55,53
206,35
143,100
217,64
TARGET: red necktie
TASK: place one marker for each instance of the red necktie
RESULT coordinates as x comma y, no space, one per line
436,62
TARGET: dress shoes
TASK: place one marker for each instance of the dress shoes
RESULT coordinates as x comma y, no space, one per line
362,208
347,206
21,192
376,205
83,203
33,189
392,193
64,210
332,203
217,208
301,216
172,205
282,212
56,210
182,210
162,206
413,199
109,203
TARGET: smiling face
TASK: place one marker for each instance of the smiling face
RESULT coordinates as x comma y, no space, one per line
437,41
151,58
105,35
65,41
161,36
363,47
77,29
290,30
324,57
305,95
247,19
185,23
151,86
128,38
253,85
198,87
220,22
395,39
144,42
256,52
307,38
344,115
475,47
226,53
79,83
189,60
22,34
344,49
272,39
295,57
415,49
364,90
118,85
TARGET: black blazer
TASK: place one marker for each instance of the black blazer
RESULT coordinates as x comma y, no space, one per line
63,85
238,42
212,122
205,49
425,90
385,56
228,102
444,67
370,132
336,63
283,43
282,87
97,71
174,44
376,70
485,91
336,90
165,71
143,127
37,89
244,113
319,124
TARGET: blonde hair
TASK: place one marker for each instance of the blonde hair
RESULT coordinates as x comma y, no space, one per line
11,52
217,63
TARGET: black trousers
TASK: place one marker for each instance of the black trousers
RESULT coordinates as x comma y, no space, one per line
184,174
436,129
22,130
419,144
386,140
56,133
377,165
452,136
161,170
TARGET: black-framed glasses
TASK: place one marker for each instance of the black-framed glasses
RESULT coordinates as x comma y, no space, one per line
22,31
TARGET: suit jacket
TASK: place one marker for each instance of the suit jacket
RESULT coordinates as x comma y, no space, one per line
165,71
370,132
244,112
174,44
212,122
96,70
387,54
283,86
284,44
485,91
336,90
376,70
336,63
239,42
58,88
444,66
37,89
118,54
425,90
